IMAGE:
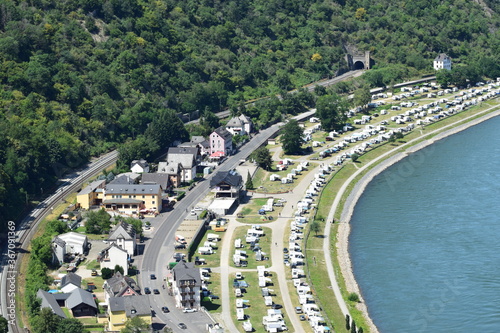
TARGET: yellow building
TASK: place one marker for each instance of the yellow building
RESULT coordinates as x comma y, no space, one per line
133,198
121,309
91,195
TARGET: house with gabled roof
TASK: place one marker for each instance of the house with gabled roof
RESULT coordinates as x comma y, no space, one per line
226,184
442,61
162,179
124,236
120,286
241,125
81,303
92,194
139,166
68,243
197,142
186,159
114,255
121,309
173,172
49,301
186,285
70,282
221,142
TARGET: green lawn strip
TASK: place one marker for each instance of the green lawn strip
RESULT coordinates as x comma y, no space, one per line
92,264
212,260
214,306
251,212
257,309
263,184
264,243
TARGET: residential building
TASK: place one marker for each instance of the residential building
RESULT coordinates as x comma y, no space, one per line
442,61
173,171
186,285
68,243
162,179
139,166
70,282
48,301
124,236
241,125
121,309
226,184
127,178
197,142
114,255
133,198
81,303
221,142
187,159
92,194
120,286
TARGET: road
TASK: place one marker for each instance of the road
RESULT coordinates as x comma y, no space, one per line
160,249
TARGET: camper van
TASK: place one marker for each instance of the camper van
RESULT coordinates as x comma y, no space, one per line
205,250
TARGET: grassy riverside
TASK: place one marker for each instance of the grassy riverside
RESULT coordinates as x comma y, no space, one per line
251,212
338,179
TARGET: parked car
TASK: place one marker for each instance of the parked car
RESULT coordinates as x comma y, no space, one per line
213,297
285,250
165,309
302,317
147,291
276,306
298,309
153,277
188,310
156,291
182,326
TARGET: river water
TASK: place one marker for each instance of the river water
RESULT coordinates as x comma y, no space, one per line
425,240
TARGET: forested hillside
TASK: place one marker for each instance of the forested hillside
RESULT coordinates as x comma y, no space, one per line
80,77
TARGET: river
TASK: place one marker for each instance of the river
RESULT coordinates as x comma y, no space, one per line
424,239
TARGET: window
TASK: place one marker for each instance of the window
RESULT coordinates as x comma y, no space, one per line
152,202
144,197
153,196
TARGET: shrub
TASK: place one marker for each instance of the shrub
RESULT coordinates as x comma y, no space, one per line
180,196
353,297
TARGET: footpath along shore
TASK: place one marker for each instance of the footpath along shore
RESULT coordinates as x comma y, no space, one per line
348,208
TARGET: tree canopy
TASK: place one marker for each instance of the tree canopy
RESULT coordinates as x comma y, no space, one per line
291,137
331,110
262,157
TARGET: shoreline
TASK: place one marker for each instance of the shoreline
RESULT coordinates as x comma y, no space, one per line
344,228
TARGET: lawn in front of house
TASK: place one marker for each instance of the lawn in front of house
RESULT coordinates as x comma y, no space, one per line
264,243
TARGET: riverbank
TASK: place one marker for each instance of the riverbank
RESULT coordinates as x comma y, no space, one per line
378,165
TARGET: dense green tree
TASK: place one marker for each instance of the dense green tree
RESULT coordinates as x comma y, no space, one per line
98,222
262,156
249,182
4,325
315,227
362,96
45,321
291,137
331,110
118,268
69,325
106,273
136,325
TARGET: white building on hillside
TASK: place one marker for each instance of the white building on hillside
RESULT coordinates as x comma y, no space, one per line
442,61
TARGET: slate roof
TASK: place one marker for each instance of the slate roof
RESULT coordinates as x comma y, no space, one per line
126,178
244,119
59,241
156,178
72,278
142,163
186,271
132,305
127,189
92,186
168,168
224,133
117,283
185,156
228,177
79,296
124,230
442,57
49,301
234,122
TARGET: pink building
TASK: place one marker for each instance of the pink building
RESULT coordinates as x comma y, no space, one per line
221,142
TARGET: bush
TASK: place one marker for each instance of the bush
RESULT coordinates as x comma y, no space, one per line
106,273
180,196
353,297
203,214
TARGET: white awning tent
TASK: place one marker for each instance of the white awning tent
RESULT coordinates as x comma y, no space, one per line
221,206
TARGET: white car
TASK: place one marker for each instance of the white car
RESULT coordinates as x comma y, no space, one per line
188,310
